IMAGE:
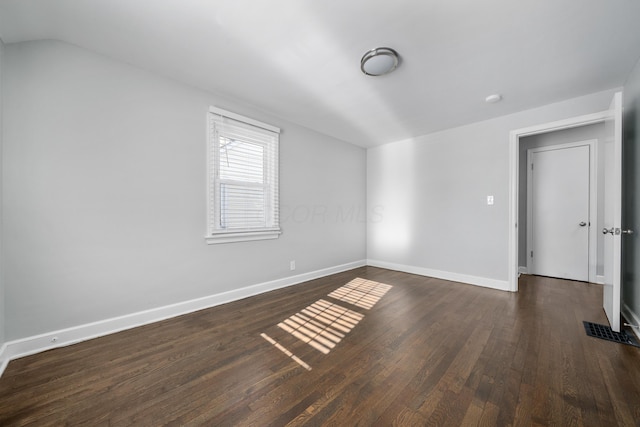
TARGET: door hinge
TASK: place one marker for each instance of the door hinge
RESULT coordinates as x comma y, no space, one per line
531,166
531,254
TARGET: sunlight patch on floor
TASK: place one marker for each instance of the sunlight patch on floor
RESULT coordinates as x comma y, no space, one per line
285,351
322,324
361,292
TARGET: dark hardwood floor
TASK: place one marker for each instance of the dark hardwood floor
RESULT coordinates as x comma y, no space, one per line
429,352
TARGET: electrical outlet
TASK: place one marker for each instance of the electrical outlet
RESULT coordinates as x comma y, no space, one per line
292,265
489,200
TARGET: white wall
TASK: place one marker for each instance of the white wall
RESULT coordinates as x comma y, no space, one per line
428,196
631,198
582,133
2,303
104,194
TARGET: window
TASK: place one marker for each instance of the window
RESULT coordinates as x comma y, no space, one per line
242,179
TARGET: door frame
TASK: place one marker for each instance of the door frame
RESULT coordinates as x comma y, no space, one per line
514,149
593,197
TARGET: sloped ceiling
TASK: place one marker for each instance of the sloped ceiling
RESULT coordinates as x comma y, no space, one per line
300,59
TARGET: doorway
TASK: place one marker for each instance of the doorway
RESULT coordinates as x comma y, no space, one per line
592,135
518,204
612,117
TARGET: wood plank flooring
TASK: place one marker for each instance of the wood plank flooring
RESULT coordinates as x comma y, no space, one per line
429,352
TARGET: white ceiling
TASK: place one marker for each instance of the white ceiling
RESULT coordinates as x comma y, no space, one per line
300,59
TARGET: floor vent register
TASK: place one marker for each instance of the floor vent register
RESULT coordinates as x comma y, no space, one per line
604,332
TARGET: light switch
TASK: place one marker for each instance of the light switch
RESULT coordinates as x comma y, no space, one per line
489,200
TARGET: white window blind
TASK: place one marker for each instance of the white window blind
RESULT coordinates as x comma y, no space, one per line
243,179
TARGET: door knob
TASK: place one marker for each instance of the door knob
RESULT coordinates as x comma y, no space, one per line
605,231
582,224
627,231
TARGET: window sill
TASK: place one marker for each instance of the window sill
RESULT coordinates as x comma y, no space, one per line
243,236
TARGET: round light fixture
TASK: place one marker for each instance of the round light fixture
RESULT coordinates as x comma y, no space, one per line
379,61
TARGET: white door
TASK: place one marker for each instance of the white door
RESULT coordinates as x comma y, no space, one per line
613,212
559,209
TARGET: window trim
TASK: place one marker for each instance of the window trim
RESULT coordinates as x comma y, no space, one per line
230,236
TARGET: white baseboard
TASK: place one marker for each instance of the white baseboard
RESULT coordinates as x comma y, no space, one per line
600,280
485,282
523,270
64,337
632,317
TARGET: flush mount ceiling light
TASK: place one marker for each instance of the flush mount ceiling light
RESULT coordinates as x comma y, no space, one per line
379,61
